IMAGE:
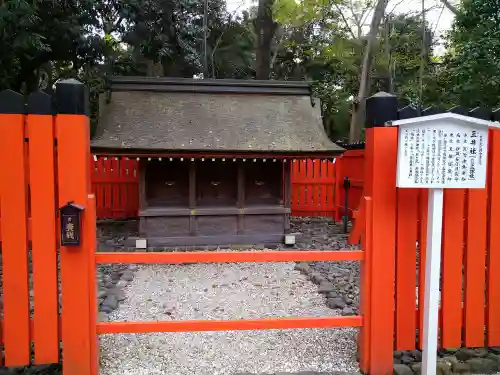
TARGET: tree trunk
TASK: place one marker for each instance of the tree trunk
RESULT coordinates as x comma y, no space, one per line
265,28
358,109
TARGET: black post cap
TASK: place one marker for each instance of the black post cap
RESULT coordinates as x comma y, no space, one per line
39,103
11,102
481,113
407,112
72,97
459,110
381,108
496,114
432,110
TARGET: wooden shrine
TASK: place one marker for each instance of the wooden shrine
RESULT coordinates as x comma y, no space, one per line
214,155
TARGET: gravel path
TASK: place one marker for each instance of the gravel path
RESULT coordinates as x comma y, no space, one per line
225,291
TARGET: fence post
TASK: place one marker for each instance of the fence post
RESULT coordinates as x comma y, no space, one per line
14,213
73,157
382,144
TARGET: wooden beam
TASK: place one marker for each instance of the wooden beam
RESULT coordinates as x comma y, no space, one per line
228,257
229,325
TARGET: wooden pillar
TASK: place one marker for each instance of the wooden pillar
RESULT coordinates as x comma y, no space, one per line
141,169
287,184
241,197
73,159
192,198
14,230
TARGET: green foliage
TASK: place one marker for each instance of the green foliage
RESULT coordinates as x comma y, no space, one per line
472,65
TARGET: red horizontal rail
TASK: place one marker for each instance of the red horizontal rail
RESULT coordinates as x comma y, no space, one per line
229,325
227,257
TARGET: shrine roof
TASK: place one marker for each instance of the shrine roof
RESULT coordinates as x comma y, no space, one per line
166,114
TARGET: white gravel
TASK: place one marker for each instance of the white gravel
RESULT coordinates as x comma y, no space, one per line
224,291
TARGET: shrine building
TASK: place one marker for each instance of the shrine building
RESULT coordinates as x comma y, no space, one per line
214,155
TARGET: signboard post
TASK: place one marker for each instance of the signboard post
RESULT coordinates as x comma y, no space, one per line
439,152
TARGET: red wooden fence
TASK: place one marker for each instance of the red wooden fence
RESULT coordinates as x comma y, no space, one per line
316,186
116,187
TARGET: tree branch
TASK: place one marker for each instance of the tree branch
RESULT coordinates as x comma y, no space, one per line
345,21
451,7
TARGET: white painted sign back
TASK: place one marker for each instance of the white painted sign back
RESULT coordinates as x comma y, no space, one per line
442,154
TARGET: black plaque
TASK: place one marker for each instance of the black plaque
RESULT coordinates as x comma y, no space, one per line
71,227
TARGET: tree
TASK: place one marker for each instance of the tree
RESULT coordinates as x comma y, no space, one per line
471,68
265,27
34,34
364,81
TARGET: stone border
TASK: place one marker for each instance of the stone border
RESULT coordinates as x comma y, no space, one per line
450,361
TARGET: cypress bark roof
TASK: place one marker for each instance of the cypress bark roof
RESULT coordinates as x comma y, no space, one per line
161,114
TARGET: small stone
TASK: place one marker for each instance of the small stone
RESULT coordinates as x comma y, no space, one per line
397,361
460,368
105,309
347,311
335,303
103,317
332,295
450,359
482,365
115,276
400,369
317,278
398,354
348,300
481,352
128,276
417,368
325,287
443,368
451,350
495,349
417,354
111,301
463,354
102,294
121,284
407,359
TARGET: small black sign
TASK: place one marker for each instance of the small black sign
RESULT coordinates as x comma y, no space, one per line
70,224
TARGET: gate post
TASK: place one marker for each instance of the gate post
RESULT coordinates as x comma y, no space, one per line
73,158
380,185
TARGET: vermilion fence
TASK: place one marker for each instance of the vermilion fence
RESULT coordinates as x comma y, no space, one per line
316,185
116,187
395,220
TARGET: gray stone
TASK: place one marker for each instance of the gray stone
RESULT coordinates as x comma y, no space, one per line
495,349
348,301
402,370
317,278
335,303
325,287
121,284
482,365
463,354
417,368
332,295
450,359
398,354
128,276
443,368
105,309
102,293
303,268
417,354
347,311
407,359
481,352
111,301
460,368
